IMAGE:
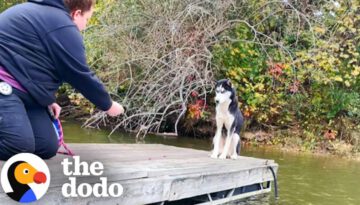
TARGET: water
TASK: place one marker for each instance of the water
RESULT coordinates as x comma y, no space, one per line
303,179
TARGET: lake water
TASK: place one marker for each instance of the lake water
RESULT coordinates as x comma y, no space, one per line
303,179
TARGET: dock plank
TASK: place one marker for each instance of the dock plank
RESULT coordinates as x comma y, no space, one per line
153,173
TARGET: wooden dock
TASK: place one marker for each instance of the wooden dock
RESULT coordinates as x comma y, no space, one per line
159,174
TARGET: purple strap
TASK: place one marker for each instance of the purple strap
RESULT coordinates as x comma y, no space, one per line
8,78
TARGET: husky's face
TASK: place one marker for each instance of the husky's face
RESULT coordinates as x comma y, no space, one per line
223,91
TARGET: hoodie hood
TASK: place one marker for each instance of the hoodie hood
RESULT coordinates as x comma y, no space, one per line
54,3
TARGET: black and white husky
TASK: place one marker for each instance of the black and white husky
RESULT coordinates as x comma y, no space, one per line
229,116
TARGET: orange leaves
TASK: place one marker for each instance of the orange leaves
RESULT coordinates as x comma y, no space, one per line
248,112
195,111
276,69
330,135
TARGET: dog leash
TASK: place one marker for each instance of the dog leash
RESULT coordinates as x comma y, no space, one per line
60,134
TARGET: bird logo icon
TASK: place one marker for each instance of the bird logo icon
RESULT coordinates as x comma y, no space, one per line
25,178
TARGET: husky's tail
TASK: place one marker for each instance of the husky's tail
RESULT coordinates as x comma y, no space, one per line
238,147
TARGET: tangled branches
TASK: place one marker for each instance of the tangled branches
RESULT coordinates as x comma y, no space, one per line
153,54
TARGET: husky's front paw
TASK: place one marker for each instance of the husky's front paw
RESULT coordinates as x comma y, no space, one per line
214,155
222,156
234,156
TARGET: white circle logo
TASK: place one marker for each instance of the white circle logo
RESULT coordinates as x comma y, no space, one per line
25,177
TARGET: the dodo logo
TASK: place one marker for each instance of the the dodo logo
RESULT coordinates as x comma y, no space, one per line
25,177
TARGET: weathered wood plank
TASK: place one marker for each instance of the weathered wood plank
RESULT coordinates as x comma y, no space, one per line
210,183
152,173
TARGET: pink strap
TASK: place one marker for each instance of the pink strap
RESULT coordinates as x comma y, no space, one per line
62,143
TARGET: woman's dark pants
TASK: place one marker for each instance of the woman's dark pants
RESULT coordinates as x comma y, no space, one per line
25,126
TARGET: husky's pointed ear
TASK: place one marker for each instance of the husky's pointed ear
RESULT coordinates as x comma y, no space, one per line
228,82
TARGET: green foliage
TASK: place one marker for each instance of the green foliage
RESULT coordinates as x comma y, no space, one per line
309,79
4,4
293,66
262,84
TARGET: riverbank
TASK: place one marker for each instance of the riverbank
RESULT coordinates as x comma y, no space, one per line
284,140
294,139
296,143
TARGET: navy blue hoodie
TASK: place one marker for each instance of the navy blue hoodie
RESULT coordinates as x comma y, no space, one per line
42,48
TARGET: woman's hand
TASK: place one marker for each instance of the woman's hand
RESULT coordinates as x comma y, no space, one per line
55,109
115,109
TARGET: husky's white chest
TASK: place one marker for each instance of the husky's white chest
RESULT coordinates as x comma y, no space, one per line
224,116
